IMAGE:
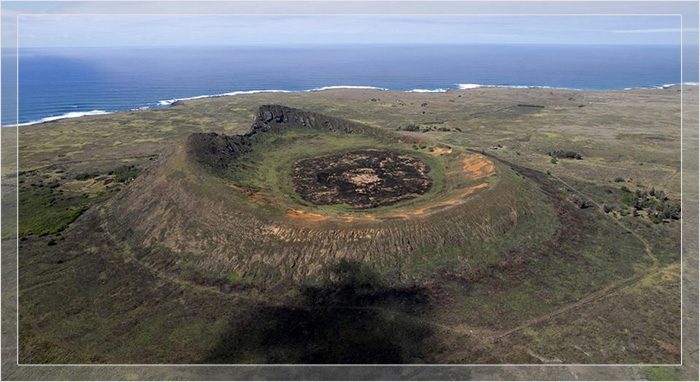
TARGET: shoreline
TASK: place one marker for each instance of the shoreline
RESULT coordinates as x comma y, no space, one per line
161,104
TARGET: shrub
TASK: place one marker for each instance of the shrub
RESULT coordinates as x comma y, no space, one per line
126,173
558,154
528,105
410,127
85,176
579,202
629,199
672,211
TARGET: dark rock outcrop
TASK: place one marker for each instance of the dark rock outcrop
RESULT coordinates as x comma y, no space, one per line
276,117
218,151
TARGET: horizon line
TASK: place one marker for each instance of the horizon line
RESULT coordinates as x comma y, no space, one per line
331,44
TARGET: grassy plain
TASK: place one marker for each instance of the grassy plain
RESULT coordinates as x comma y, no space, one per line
536,303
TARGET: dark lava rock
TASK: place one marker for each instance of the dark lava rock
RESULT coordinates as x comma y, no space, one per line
216,150
362,179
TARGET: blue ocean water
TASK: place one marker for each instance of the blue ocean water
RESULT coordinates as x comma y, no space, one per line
64,82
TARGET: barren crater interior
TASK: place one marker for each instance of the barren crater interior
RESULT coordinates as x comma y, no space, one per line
362,179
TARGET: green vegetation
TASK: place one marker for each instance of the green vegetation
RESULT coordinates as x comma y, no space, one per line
126,173
559,154
268,169
410,127
661,373
43,211
655,203
86,176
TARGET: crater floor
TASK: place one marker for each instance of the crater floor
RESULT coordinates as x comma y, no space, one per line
362,179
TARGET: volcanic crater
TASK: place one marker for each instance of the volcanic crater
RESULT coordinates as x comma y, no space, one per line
362,179
248,194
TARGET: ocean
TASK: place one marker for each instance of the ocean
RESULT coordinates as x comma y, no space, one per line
69,82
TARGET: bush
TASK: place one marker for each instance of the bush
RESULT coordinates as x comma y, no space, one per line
656,204
86,176
619,180
411,127
671,211
579,202
629,199
126,173
565,154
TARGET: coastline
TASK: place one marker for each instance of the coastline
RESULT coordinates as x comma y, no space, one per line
161,104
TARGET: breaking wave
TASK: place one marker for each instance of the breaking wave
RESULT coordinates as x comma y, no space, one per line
72,114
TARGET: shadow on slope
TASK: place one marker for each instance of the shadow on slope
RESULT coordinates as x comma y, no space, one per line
351,319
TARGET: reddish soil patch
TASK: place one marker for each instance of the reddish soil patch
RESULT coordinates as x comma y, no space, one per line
476,166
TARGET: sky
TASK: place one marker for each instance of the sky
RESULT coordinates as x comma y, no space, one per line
47,24
174,30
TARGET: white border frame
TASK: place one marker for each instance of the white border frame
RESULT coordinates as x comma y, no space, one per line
352,15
